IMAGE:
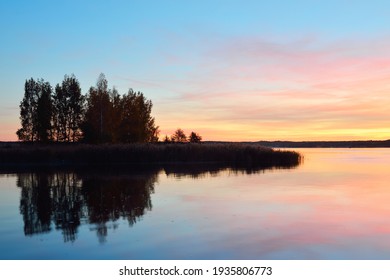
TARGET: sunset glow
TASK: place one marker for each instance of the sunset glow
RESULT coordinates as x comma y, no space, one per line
236,71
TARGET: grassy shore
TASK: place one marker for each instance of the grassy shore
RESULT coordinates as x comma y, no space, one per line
62,155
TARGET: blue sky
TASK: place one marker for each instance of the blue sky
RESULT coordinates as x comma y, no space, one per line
228,69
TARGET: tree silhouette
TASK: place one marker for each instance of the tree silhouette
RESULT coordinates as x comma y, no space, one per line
102,116
68,110
179,136
116,115
112,118
194,138
96,126
28,111
44,112
35,111
137,124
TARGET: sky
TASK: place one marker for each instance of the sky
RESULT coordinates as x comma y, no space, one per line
229,70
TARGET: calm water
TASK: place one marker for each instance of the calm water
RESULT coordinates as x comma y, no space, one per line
336,205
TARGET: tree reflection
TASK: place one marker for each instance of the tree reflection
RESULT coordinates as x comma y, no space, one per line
34,206
68,199
109,198
67,203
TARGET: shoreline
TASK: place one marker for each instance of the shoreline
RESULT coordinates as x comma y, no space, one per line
264,143
74,155
319,144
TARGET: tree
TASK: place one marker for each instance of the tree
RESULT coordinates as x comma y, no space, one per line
137,124
44,112
28,108
96,127
179,136
166,139
68,110
76,106
115,115
194,138
58,121
102,116
35,111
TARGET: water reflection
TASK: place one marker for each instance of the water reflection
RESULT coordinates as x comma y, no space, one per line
66,200
335,206
203,170
34,204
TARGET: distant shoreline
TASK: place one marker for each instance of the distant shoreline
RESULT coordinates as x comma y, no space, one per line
320,144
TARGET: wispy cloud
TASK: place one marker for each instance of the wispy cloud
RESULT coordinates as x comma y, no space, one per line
294,86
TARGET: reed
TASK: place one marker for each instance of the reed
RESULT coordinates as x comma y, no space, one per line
227,154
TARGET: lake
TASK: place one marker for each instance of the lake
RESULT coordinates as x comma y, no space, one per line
335,205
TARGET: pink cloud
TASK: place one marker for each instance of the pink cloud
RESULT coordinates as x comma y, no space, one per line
253,59
299,85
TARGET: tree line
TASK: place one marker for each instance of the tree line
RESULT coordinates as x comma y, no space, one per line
179,136
101,116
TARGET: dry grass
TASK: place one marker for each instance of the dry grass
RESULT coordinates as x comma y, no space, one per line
24,154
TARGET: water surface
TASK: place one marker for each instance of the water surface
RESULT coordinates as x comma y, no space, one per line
333,206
